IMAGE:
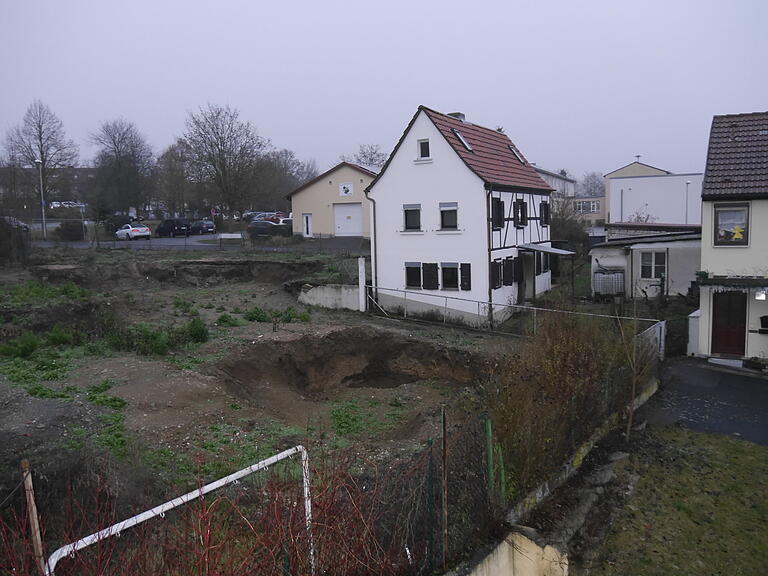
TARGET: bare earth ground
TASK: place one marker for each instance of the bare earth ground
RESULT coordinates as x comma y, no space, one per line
340,379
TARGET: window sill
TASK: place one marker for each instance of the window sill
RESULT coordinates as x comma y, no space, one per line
450,289
412,232
422,161
448,231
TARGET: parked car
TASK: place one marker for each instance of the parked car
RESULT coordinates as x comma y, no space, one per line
202,227
133,231
265,228
15,223
173,227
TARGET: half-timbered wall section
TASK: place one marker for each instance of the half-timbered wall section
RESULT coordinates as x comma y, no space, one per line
451,209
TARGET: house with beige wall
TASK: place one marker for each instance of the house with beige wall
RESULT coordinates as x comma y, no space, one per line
733,320
631,170
333,204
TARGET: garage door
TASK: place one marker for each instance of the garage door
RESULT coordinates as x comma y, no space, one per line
348,219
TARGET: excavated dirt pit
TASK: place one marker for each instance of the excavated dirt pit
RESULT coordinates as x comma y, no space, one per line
317,367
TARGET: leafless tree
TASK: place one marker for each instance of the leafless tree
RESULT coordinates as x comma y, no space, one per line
41,137
125,165
368,156
278,173
224,150
174,184
591,184
642,215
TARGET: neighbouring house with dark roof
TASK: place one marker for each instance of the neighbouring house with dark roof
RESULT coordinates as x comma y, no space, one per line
461,222
733,320
333,204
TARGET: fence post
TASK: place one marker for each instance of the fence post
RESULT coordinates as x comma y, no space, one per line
34,521
445,311
361,294
534,322
430,510
445,491
489,453
405,304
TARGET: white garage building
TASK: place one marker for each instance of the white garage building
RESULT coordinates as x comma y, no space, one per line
333,204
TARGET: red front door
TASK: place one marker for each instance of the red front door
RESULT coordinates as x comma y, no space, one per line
729,322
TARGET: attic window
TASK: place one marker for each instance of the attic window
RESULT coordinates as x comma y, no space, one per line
462,139
423,149
517,154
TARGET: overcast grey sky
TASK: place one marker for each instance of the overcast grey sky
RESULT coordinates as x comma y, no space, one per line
576,84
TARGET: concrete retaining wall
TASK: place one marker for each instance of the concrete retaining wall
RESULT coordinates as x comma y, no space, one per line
344,296
520,555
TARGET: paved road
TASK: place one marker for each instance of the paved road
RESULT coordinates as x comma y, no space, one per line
353,245
713,399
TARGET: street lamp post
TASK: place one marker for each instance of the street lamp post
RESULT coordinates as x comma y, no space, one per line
687,183
42,196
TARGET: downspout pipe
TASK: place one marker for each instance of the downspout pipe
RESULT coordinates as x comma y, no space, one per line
489,241
375,266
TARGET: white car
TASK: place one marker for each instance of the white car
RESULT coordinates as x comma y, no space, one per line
133,231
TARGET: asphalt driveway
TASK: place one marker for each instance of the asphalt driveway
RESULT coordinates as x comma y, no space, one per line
709,398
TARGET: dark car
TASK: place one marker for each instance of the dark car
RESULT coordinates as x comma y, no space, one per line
202,227
173,227
264,228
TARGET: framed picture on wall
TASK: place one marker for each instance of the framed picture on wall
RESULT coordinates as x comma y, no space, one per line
731,224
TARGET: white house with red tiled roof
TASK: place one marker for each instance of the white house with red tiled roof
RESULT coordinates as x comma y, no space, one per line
460,221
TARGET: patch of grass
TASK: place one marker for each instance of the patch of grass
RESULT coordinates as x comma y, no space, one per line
31,293
256,314
348,418
113,436
141,338
196,331
96,395
44,364
43,391
230,321
76,436
699,508
290,314
22,346
183,305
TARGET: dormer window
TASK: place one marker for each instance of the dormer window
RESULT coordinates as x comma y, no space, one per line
424,150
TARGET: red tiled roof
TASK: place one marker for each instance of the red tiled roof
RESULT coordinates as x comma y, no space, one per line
490,158
737,159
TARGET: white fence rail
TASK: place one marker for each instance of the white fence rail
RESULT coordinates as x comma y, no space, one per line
116,529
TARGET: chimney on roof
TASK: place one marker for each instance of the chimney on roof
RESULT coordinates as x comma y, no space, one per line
457,115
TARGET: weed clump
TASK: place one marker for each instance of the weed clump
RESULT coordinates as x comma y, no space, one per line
96,395
229,320
21,347
256,314
196,331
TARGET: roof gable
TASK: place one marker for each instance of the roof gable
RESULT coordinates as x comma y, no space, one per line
364,171
491,155
737,157
651,169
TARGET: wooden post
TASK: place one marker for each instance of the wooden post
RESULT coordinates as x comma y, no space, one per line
445,493
489,454
34,522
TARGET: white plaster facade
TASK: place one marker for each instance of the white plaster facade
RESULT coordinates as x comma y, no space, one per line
664,198
444,178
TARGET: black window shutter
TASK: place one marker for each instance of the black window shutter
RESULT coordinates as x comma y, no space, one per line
516,212
538,263
509,271
544,211
430,276
497,213
523,213
496,274
466,277
518,269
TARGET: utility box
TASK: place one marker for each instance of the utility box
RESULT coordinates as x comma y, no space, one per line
608,283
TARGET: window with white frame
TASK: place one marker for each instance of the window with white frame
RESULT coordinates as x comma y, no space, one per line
450,273
412,217
587,206
653,264
423,149
413,274
449,215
